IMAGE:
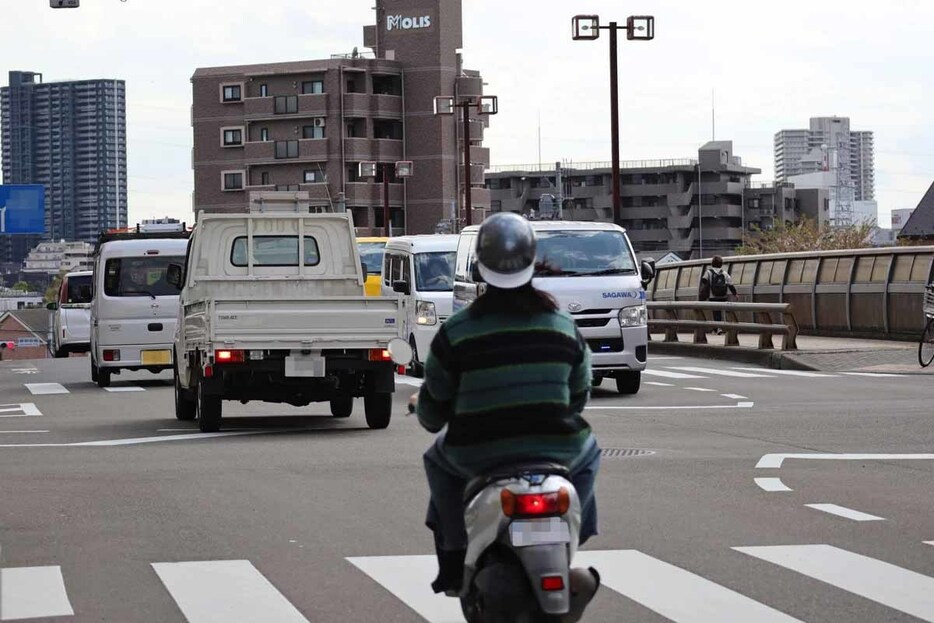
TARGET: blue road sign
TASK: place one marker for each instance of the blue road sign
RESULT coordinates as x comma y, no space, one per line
22,209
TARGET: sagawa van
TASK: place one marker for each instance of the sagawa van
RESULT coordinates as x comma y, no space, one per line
134,309
71,315
422,269
590,269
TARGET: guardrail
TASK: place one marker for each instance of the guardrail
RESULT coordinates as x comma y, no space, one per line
731,325
866,292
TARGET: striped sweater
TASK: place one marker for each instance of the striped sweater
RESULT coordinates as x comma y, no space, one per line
509,387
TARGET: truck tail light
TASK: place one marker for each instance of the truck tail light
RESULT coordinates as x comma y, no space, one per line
230,356
379,354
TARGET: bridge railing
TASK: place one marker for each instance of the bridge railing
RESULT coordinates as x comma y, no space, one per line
670,316
869,292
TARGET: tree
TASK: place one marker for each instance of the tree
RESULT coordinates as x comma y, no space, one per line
22,286
806,235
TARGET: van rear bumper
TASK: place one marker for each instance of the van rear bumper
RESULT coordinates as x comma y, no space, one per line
131,356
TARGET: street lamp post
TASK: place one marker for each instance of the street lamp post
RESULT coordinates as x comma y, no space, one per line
638,28
486,105
368,170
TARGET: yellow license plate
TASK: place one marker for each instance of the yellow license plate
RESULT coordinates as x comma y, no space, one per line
155,357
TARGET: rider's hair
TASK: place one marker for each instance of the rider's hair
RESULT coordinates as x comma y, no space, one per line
523,300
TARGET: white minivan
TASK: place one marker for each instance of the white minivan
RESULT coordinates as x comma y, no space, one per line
422,269
71,315
591,271
134,309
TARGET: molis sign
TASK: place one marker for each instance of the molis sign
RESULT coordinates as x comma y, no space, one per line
397,22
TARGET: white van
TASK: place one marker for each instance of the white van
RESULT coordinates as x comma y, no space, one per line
134,309
422,269
71,315
591,271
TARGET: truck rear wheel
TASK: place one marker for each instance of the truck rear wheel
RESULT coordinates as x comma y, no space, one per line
208,411
342,406
628,382
103,377
185,407
378,409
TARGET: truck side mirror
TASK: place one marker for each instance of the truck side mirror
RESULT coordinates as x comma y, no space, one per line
52,306
401,287
648,271
173,275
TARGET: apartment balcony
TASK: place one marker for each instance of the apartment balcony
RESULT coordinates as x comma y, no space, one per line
649,190
722,188
368,105
722,210
387,150
371,193
263,108
263,152
648,235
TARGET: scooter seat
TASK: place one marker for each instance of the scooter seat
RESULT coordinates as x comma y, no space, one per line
477,484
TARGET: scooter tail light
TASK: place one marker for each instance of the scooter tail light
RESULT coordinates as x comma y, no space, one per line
508,501
535,504
552,583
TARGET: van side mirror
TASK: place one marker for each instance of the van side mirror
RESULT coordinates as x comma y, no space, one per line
52,306
475,275
173,275
648,271
401,287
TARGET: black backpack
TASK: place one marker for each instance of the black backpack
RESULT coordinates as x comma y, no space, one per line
717,284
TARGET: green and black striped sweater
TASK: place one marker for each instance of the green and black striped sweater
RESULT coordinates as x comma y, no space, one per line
509,387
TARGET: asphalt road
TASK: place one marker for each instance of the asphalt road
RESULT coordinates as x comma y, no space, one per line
111,510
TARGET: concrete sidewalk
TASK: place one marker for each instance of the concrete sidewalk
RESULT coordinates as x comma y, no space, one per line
814,353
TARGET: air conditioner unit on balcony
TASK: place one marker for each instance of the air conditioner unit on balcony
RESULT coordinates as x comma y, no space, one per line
319,122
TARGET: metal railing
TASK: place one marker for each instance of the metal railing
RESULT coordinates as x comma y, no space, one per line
762,322
868,292
589,166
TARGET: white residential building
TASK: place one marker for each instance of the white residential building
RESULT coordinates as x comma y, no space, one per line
52,257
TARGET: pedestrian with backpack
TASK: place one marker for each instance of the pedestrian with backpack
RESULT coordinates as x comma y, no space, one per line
716,285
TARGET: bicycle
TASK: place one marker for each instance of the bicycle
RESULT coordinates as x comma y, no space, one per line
926,343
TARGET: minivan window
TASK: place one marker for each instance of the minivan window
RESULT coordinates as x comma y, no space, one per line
576,253
274,251
78,290
434,272
139,276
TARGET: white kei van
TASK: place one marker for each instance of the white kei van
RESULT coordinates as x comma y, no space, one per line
422,269
591,271
134,309
71,315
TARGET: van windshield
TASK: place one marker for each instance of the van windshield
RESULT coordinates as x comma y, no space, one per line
139,276
371,254
79,290
582,252
434,272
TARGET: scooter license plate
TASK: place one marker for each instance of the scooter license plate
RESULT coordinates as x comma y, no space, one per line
545,531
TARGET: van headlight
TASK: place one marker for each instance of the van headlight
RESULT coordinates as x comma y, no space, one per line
425,313
634,316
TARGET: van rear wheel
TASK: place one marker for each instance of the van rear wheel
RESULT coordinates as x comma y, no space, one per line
103,377
185,403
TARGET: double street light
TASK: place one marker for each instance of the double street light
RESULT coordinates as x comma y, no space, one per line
638,28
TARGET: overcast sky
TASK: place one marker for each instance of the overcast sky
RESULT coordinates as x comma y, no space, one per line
772,65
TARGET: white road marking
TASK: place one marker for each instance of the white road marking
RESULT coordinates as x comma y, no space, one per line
43,389
843,511
32,593
882,582
774,461
142,440
700,389
26,409
805,373
929,542
124,388
874,374
734,396
721,372
657,384
25,371
232,591
17,432
407,380
771,484
409,579
666,357
671,375
738,405
652,583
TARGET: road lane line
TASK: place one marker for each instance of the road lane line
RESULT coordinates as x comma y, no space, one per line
774,461
673,592
738,405
233,591
44,389
32,593
700,389
874,374
721,372
805,373
124,388
657,384
18,432
771,484
929,542
671,375
409,579
843,511
734,396
882,582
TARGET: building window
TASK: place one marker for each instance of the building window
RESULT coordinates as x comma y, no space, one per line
312,87
231,93
286,149
313,177
286,104
288,187
233,180
233,137
264,134
263,90
264,178
314,131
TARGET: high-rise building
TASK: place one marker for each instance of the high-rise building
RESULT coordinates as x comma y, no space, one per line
70,137
828,145
307,125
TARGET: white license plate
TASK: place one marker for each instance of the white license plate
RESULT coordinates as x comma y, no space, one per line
548,530
256,355
305,365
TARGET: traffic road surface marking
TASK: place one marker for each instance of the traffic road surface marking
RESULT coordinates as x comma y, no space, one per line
771,484
43,389
843,511
873,374
805,373
700,389
734,396
775,460
722,372
738,405
657,384
413,586
32,593
124,388
407,380
19,409
670,375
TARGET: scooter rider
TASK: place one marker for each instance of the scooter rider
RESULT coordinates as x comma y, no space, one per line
506,381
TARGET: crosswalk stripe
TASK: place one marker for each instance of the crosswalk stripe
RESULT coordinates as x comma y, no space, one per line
413,586
721,372
124,388
228,591
843,511
42,389
32,593
673,592
670,375
657,384
806,373
882,582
